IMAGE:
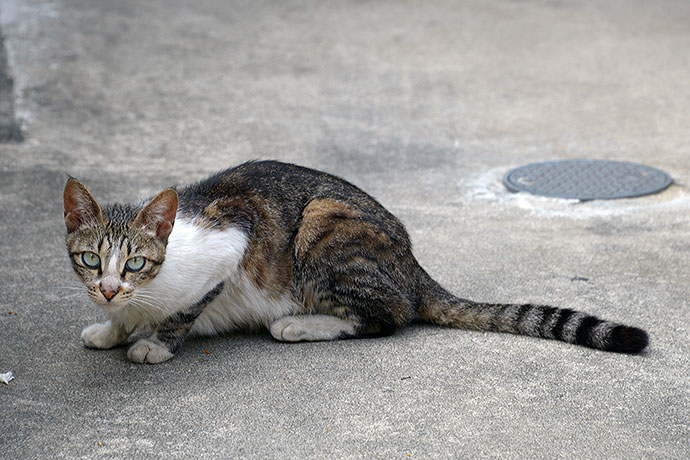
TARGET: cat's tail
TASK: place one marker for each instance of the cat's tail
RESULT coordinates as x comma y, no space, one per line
442,308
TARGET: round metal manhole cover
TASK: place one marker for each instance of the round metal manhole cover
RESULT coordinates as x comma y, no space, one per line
587,179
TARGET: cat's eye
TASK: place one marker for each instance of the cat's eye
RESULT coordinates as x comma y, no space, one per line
90,259
135,264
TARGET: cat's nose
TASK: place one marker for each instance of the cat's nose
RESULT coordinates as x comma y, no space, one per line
110,294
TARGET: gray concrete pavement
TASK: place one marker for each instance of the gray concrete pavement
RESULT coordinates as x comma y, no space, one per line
423,104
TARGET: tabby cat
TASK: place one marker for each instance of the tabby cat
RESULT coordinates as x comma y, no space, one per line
267,244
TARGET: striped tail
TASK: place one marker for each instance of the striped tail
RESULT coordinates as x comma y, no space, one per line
442,308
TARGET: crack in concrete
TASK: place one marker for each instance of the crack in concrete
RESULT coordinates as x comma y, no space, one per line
9,128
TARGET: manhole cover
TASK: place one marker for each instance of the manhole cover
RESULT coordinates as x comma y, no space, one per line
586,179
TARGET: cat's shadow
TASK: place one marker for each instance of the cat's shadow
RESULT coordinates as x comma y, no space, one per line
240,356
244,353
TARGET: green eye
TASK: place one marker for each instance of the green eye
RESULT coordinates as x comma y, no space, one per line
90,259
135,264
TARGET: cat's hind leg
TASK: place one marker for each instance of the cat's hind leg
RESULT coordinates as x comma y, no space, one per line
353,272
347,302
312,328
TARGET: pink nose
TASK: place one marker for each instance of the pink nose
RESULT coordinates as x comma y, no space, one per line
109,294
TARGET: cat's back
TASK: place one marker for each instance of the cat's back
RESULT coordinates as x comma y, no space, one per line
284,186
270,178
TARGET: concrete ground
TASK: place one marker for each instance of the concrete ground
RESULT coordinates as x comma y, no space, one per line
423,104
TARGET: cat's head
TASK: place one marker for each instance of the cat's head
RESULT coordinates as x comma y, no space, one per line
116,249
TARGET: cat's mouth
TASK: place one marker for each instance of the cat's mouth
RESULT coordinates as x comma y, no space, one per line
111,303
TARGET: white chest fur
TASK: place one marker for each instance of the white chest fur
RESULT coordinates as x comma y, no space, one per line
241,305
196,260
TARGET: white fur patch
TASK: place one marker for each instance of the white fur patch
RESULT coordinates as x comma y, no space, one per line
241,305
145,351
103,335
310,328
113,262
197,260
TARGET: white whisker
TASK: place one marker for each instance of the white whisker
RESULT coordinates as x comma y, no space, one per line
147,301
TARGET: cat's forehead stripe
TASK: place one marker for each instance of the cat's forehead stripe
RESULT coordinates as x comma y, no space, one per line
112,264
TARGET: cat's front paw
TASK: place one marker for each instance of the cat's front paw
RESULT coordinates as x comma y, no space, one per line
102,335
146,351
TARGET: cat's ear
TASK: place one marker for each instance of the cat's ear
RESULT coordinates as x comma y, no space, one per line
80,206
158,216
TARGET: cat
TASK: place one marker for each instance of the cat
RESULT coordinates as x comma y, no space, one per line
272,245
